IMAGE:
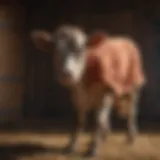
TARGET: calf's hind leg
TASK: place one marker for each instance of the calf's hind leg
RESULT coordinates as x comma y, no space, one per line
132,116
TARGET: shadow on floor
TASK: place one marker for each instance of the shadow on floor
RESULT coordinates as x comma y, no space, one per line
14,151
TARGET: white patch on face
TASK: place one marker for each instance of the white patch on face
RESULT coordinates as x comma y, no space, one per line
75,66
80,38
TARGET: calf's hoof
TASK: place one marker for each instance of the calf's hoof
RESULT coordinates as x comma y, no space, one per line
68,150
105,135
91,153
131,136
131,139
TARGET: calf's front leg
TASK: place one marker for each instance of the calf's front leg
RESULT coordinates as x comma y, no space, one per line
78,128
103,124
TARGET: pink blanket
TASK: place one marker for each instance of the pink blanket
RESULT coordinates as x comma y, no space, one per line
116,62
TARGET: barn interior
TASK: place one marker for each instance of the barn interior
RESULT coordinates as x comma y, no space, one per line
38,96
138,19
29,94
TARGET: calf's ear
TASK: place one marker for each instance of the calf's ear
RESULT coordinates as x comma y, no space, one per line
96,38
42,40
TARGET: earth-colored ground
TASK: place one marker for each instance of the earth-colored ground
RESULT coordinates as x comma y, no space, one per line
47,146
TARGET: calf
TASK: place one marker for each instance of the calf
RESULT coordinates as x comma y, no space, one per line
99,71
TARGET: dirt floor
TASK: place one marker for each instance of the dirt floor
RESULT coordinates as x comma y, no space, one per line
47,146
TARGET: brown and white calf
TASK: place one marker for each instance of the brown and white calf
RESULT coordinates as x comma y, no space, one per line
99,71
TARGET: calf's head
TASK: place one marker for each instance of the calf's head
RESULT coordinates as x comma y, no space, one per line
67,44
